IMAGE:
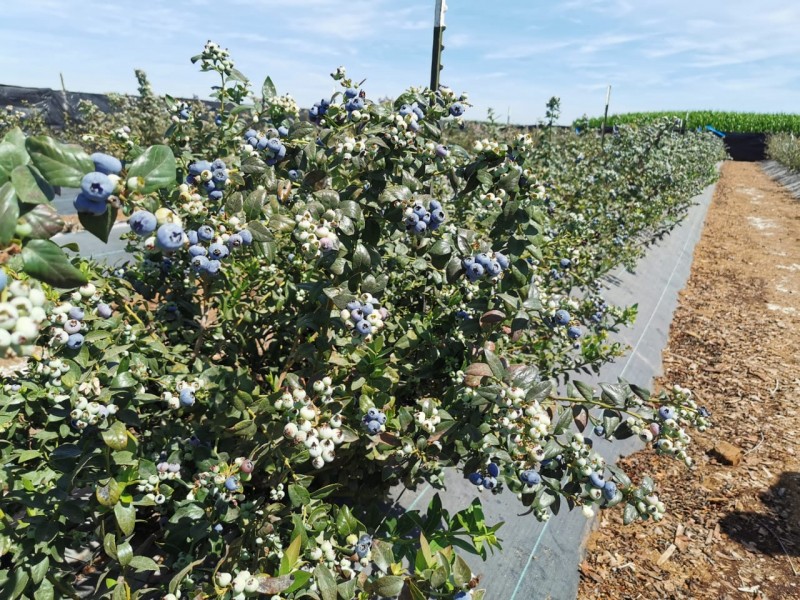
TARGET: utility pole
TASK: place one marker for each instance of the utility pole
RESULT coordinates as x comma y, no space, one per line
605,114
438,36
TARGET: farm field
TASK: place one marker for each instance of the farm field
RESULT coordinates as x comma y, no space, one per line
719,120
735,340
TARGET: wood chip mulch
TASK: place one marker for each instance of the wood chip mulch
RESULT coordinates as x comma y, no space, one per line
732,528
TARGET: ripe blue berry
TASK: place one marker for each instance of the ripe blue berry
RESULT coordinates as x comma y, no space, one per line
97,186
609,490
187,396
104,311
205,233
597,480
562,317
363,327
666,412
196,168
235,241
373,427
247,237
489,483
274,145
192,235
599,430
283,131
76,313
3,279
494,269
212,267
565,263
199,262
475,271
457,109
350,93
442,150
231,483
169,237
502,259
373,413
574,332
218,251
476,478
530,477
197,250
84,204
483,259
104,163
493,469
75,341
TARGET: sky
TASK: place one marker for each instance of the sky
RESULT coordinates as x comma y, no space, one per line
509,55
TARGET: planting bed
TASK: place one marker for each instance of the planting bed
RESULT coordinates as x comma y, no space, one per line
733,530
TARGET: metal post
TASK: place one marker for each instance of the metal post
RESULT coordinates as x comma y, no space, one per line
605,114
438,33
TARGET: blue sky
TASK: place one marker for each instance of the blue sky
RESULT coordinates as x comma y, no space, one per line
511,55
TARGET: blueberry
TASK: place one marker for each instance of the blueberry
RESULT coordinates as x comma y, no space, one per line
467,262
562,317
183,114
199,262
574,332
417,111
457,109
373,427
218,251
84,204
597,480
218,528
197,250
599,430
218,120
442,151
212,267
493,469
142,222
703,411
565,263
219,176
274,145
293,175
476,478
420,227
218,163
3,279
530,477
494,268
187,395
260,143
489,483
438,216
363,327
97,186
412,219
482,259
75,341
354,305
197,167
250,133
205,233
609,490
104,310
350,93
462,596
247,237
381,418
475,271
76,313
232,484
666,412
434,205
372,414
192,235
235,240
169,237
354,104
283,131
104,163
502,259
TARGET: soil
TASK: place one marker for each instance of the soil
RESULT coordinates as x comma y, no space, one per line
732,528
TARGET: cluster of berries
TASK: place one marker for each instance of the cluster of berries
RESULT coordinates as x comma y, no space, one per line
419,219
149,487
184,395
410,115
319,110
85,413
269,143
22,312
182,112
98,186
600,487
491,265
486,480
69,324
374,420
220,483
314,238
354,100
241,586
214,57
363,546
428,418
209,177
563,318
321,439
365,317
208,260
600,308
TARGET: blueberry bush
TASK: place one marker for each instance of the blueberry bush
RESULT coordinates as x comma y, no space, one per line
319,311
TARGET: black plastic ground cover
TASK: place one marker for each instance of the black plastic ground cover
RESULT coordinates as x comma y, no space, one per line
784,175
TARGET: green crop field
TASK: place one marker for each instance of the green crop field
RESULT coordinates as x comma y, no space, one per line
723,121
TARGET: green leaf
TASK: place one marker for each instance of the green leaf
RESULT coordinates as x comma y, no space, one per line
11,157
42,222
126,517
233,203
268,89
630,514
585,390
144,563
45,261
298,495
156,167
441,247
30,186
9,213
99,225
619,475
179,576
390,585
60,164
44,591
382,555
361,259
325,582
253,203
110,545
116,436
124,554
346,523
39,570
395,193
290,556
494,364
108,493
190,511
462,574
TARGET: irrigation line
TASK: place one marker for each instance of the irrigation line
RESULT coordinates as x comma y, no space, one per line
627,363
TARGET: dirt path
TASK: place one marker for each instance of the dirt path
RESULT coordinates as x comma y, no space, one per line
733,524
